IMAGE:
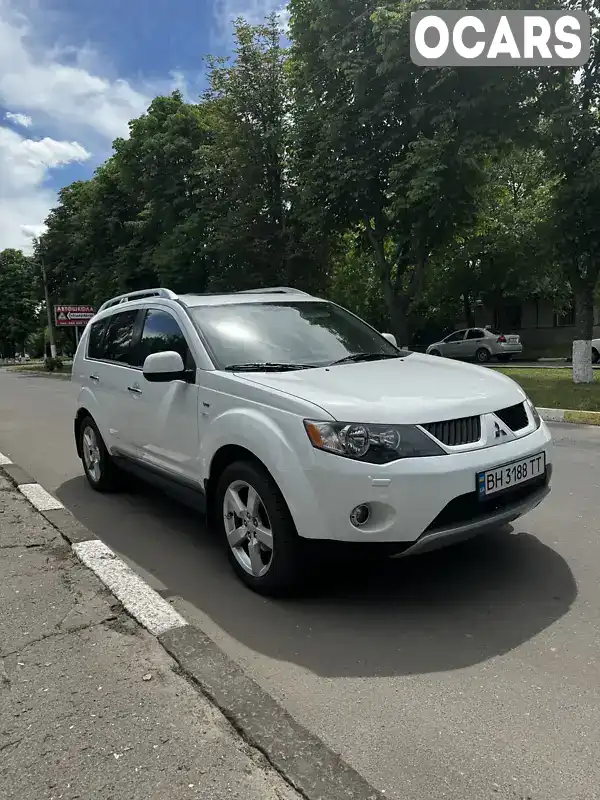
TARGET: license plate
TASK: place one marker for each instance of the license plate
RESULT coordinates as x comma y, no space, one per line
512,339
506,476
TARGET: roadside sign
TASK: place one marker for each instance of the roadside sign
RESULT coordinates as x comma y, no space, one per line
73,316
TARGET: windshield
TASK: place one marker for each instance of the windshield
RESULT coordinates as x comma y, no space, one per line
306,334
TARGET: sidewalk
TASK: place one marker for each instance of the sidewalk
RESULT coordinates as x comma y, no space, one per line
91,706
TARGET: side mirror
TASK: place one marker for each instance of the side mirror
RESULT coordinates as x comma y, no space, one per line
164,367
391,338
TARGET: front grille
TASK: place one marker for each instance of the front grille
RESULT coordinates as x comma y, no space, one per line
468,507
514,416
455,432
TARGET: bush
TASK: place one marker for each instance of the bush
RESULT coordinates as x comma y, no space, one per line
53,364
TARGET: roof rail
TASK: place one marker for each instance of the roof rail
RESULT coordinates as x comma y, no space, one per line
138,295
273,290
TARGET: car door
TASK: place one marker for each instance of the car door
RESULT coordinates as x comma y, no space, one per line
164,416
472,342
451,345
108,372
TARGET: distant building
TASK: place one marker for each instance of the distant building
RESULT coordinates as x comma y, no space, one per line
539,325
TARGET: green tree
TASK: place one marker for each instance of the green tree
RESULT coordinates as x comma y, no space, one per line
504,256
573,148
18,317
396,148
168,210
245,164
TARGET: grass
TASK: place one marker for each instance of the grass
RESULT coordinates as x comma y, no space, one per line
39,369
554,388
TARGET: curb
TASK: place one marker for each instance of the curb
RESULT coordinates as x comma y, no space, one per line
569,415
300,757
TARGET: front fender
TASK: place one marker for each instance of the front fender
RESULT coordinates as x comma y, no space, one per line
285,455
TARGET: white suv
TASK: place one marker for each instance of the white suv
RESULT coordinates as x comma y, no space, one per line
297,421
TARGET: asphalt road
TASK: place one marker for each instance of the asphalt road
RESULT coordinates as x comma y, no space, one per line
468,674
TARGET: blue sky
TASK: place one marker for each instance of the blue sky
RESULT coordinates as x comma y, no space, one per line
73,72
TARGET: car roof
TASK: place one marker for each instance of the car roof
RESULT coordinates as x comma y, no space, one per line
194,300
139,297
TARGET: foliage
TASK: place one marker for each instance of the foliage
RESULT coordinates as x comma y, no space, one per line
338,166
394,147
504,255
18,309
53,364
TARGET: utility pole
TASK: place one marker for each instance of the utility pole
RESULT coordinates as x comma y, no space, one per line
48,309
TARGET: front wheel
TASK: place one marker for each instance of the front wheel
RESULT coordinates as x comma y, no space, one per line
482,355
99,468
263,547
434,353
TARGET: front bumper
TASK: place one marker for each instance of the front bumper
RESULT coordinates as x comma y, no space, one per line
437,537
420,503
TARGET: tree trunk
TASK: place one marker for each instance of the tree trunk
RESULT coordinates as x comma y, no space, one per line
584,332
396,304
398,317
468,311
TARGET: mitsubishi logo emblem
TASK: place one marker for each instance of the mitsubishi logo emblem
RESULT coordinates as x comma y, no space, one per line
498,431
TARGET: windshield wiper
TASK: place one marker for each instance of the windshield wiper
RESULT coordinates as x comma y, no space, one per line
267,366
355,357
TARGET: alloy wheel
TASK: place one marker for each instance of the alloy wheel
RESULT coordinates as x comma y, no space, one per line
91,454
248,528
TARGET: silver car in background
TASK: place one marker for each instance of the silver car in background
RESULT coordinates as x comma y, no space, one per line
480,344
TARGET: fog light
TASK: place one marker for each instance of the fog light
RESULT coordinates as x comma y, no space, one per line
360,515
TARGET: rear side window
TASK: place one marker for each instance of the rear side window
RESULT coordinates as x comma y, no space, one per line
475,333
119,337
96,339
161,332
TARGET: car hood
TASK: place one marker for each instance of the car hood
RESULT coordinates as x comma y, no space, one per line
412,390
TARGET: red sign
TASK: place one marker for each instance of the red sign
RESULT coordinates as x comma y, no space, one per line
73,316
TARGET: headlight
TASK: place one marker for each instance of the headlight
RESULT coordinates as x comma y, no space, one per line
375,444
534,413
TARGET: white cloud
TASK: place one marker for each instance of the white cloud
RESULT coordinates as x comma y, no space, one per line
19,119
253,11
70,99
48,83
23,167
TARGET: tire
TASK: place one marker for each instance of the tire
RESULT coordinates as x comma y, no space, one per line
100,470
595,356
434,353
482,356
274,572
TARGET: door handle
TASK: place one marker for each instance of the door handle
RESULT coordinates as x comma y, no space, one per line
94,378
134,390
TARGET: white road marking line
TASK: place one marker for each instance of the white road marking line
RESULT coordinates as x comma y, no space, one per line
141,601
39,497
4,460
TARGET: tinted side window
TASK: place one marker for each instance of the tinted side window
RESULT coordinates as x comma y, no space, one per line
96,347
117,343
161,332
475,333
456,337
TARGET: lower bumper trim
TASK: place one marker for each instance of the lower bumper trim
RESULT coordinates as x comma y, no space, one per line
441,537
